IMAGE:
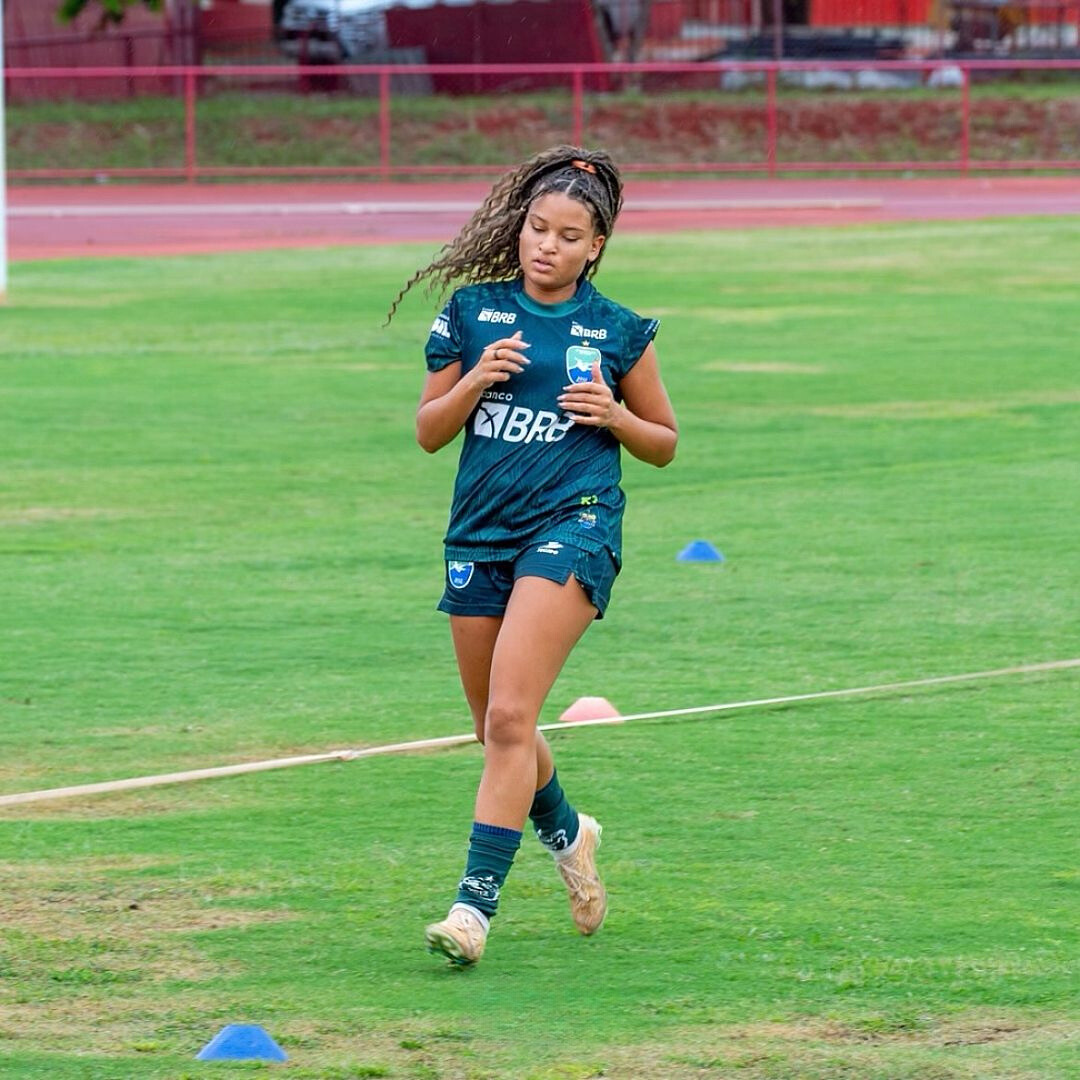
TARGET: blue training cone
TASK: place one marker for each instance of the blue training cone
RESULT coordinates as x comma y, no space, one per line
699,551
241,1042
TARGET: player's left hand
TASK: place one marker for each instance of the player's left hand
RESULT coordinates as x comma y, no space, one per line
591,403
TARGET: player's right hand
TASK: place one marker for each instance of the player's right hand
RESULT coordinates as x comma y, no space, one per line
500,360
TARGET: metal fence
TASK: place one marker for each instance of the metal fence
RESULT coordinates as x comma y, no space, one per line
393,121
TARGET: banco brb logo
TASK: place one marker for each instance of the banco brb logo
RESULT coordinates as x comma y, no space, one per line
517,424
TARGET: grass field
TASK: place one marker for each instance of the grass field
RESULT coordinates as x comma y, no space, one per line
219,542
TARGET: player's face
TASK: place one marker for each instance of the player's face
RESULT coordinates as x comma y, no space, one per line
556,242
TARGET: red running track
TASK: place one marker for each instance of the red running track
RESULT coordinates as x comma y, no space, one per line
163,219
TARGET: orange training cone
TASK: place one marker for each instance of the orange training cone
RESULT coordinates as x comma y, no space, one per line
589,708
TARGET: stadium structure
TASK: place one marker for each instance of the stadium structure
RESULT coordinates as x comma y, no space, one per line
536,31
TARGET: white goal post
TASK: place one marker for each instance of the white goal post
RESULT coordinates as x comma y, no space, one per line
3,171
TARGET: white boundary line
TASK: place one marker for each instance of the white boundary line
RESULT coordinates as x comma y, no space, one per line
351,207
445,741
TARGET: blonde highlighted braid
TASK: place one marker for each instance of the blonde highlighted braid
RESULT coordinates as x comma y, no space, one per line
486,249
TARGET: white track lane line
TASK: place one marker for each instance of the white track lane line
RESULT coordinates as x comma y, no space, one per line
300,209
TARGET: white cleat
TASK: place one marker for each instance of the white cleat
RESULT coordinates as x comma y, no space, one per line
588,898
460,937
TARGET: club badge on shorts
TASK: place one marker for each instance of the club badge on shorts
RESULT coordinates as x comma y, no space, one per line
459,574
579,362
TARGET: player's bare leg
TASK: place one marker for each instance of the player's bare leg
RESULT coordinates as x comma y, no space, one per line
543,622
474,644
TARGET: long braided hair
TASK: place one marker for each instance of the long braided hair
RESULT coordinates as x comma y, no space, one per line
486,249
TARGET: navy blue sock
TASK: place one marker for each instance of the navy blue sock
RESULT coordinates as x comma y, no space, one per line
491,854
553,818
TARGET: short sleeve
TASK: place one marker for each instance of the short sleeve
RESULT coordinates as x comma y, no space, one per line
444,342
637,333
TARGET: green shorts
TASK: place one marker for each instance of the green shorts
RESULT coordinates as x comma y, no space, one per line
483,588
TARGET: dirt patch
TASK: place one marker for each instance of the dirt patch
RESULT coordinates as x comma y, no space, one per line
363,367
46,515
906,1047
946,410
764,368
97,953
753,315
126,914
811,1048
114,906
119,1025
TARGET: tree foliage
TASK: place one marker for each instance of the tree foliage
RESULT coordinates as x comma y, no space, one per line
110,11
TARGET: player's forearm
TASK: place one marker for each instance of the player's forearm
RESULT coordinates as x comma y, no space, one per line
647,440
438,421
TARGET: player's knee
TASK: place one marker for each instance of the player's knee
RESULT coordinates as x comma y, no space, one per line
479,724
508,724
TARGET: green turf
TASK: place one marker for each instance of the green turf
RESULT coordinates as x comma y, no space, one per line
219,542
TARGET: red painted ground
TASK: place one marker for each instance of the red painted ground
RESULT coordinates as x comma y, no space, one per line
162,219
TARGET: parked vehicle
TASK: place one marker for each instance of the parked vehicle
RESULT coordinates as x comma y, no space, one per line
332,31
354,31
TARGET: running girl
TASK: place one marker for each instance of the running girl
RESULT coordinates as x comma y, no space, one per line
548,379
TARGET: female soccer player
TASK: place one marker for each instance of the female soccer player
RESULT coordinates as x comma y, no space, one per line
548,379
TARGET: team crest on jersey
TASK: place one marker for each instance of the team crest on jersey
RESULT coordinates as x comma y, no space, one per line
579,362
459,574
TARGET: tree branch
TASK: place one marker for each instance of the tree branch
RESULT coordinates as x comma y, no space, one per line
111,11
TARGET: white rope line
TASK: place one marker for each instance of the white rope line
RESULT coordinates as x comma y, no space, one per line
445,741
1024,669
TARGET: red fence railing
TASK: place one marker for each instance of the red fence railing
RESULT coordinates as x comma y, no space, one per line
751,117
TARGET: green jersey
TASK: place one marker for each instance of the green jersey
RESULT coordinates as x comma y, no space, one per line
527,471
